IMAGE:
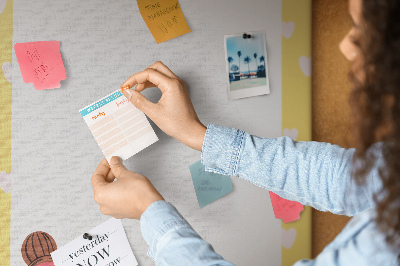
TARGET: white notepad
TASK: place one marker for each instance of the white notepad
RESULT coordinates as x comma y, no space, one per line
108,246
118,126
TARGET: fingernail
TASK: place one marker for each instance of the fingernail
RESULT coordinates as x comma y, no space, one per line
115,160
129,92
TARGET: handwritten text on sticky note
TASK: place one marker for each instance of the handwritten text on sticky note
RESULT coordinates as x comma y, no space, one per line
164,18
287,210
209,186
109,246
41,63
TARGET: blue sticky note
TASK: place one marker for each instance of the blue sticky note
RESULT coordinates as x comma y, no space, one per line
209,186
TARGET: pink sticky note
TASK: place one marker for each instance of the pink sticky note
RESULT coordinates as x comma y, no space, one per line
284,209
41,63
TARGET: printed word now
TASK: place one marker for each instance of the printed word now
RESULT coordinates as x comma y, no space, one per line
94,258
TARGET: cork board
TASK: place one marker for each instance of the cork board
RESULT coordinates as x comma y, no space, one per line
330,90
299,43
330,108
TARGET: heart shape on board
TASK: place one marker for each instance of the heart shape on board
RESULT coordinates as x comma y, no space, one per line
288,237
7,71
2,5
292,133
305,65
287,29
5,182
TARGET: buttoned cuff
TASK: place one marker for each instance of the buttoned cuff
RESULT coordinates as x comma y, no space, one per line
222,148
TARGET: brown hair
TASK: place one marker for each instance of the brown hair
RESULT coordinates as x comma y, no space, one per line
375,103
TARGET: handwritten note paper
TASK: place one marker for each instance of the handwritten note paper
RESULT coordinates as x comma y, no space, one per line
109,246
164,18
288,211
118,126
41,63
209,186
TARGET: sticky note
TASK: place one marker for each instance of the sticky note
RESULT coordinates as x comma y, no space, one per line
288,211
164,18
41,63
108,246
209,186
118,126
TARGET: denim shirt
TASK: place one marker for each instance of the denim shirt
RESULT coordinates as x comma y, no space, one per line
312,173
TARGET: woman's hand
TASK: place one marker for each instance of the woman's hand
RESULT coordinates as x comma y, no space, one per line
174,113
127,197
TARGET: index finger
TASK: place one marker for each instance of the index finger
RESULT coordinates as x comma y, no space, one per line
160,80
100,174
160,67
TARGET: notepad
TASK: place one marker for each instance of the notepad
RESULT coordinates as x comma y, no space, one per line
108,246
118,126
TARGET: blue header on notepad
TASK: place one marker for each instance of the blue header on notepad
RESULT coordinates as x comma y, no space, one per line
100,103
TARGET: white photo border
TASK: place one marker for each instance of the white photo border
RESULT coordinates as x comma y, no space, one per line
248,92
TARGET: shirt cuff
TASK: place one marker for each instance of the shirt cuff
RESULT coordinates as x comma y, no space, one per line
159,218
222,148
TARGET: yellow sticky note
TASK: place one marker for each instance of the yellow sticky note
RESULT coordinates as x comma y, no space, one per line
164,18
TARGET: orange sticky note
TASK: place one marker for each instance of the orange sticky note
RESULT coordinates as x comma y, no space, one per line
164,18
41,63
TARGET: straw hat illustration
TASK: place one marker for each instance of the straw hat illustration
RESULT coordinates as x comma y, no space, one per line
36,249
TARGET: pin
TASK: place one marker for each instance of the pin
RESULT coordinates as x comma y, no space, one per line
87,236
125,88
246,36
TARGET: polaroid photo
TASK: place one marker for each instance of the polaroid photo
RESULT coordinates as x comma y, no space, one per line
246,64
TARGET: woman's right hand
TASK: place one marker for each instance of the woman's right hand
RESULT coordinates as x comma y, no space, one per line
174,112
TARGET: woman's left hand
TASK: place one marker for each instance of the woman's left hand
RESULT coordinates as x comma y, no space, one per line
127,197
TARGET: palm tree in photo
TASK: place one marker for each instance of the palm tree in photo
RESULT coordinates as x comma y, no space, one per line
247,60
234,68
255,58
239,54
262,59
230,60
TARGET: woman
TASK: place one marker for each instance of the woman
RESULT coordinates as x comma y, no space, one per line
362,182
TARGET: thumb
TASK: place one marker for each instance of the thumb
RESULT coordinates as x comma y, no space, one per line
139,101
117,167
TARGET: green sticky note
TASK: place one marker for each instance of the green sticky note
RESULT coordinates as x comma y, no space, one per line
209,186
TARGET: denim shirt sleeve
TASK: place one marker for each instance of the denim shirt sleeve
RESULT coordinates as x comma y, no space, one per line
172,241
312,173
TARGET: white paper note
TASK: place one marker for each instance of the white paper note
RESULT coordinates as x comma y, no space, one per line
118,126
108,247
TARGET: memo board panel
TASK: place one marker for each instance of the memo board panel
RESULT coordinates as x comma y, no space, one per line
102,43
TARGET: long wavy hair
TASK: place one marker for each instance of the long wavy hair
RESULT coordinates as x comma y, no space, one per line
375,102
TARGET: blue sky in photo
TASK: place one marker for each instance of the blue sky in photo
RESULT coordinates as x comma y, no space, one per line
248,47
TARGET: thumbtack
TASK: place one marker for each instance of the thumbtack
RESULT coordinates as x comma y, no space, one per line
246,36
125,88
87,236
